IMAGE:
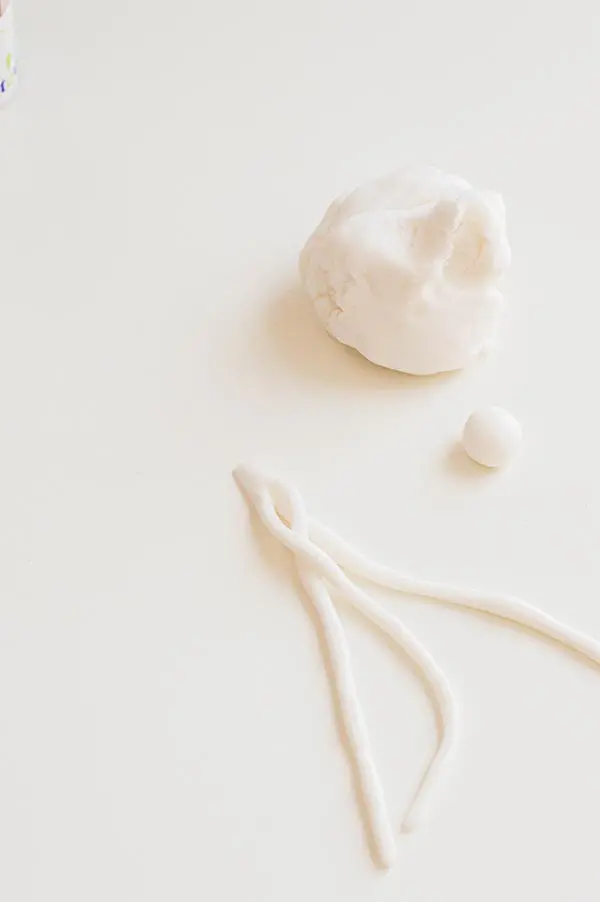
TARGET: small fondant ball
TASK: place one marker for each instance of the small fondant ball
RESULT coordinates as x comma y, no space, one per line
492,436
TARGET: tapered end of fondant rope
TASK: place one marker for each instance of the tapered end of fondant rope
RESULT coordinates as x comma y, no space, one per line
412,822
246,478
257,487
386,855
252,482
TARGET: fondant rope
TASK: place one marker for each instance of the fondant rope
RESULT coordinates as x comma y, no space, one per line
314,565
320,556
507,607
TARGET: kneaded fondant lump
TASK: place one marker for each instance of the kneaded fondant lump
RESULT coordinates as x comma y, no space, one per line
406,269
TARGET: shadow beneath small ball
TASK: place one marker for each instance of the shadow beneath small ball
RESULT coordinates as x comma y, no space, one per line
459,465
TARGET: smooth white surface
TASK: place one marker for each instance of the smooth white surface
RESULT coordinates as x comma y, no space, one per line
492,436
406,269
166,730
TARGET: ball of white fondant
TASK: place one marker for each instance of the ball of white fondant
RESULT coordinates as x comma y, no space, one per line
492,436
406,269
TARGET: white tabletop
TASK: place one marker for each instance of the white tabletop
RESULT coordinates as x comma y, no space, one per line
166,723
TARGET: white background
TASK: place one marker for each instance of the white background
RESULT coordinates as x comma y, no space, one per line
166,724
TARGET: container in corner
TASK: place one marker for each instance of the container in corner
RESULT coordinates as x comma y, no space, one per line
8,56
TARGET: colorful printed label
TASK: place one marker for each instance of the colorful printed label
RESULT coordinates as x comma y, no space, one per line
10,74
8,60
